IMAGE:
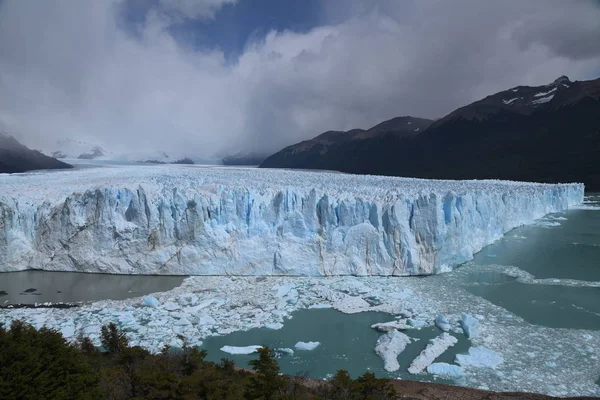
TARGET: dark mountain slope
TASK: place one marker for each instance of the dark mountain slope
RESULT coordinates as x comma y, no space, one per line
322,151
14,157
547,134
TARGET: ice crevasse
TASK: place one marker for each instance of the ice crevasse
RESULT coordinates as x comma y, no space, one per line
225,221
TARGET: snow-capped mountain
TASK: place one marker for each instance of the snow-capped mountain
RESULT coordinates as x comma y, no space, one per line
548,133
76,149
15,157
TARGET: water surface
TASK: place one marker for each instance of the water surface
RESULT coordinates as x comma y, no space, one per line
347,342
77,286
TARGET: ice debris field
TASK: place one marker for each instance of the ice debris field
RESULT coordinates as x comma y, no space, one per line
175,220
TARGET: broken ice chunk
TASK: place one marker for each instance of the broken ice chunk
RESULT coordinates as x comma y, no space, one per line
390,326
150,301
389,346
235,350
285,351
442,323
480,357
275,326
436,347
469,325
306,345
445,370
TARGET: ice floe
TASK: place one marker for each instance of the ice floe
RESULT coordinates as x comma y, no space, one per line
389,346
445,370
442,323
307,345
469,325
391,326
479,357
436,347
240,350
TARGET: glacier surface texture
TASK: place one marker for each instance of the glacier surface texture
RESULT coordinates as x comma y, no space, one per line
222,221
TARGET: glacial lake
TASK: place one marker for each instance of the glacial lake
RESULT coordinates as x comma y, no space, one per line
77,286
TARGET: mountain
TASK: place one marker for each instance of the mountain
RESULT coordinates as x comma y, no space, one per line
70,148
547,133
15,157
328,150
244,158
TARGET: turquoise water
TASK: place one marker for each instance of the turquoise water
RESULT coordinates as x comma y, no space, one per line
347,342
570,251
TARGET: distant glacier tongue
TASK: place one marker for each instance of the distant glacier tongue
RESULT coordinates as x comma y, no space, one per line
214,221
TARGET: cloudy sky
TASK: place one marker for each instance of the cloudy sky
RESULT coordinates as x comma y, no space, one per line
209,77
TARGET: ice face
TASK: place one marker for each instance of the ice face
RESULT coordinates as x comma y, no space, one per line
215,221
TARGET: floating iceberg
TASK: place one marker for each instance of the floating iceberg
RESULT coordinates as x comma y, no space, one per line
442,323
436,347
285,351
445,370
274,326
389,346
306,345
469,325
227,221
150,301
240,350
391,326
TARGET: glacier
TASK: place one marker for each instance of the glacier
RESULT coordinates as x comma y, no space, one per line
180,220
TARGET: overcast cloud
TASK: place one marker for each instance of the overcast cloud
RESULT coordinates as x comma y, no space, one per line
69,70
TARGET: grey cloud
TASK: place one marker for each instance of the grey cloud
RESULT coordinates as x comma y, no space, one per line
371,61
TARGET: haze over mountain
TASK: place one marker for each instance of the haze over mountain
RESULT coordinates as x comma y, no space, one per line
547,133
208,78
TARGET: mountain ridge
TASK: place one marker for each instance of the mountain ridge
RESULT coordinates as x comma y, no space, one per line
548,133
15,157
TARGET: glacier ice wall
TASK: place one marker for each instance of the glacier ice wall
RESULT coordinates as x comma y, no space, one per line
225,221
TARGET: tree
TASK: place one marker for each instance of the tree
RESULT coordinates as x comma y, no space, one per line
342,386
266,382
113,339
42,365
369,387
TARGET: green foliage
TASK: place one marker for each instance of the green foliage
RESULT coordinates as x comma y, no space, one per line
40,364
266,382
366,387
113,339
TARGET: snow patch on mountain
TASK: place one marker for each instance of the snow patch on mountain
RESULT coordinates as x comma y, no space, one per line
543,94
507,102
543,100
